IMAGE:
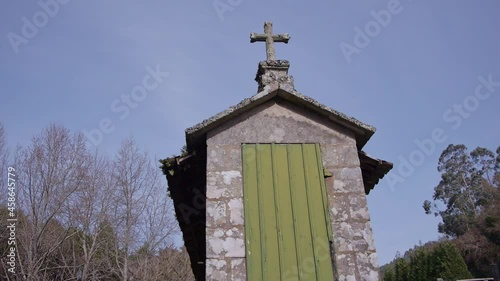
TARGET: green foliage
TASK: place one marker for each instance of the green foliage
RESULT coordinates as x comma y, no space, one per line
467,199
428,262
480,246
463,189
389,275
449,263
168,163
401,270
490,221
420,265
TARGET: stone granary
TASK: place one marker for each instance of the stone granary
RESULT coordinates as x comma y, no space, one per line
274,188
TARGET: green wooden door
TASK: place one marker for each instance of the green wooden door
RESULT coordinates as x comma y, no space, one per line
287,229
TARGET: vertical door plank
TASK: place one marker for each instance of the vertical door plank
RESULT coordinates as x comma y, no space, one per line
314,176
267,210
251,212
286,231
302,225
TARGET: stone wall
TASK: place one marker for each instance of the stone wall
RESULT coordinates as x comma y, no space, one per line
281,122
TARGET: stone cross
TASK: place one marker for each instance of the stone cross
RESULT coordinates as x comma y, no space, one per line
269,38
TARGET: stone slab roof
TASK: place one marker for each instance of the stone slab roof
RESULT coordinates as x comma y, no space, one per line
197,134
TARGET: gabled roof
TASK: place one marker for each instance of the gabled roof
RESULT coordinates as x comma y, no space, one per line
197,134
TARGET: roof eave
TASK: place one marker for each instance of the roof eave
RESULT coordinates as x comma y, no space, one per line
373,170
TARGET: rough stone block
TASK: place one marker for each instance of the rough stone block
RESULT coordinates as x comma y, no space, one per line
236,211
220,158
346,180
359,207
346,267
214,191
216,269
353,236
232,181
226,184
223,243
238,269
216,213
343,155
367,266
340,206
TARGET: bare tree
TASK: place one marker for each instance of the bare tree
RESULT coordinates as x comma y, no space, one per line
134,179
142,214
160,224
160,228
169,264
88,211
176,265
83,216
50,171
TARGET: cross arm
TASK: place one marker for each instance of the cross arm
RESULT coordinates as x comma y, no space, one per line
255,37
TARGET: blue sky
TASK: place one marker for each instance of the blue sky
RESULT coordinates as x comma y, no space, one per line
414,77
